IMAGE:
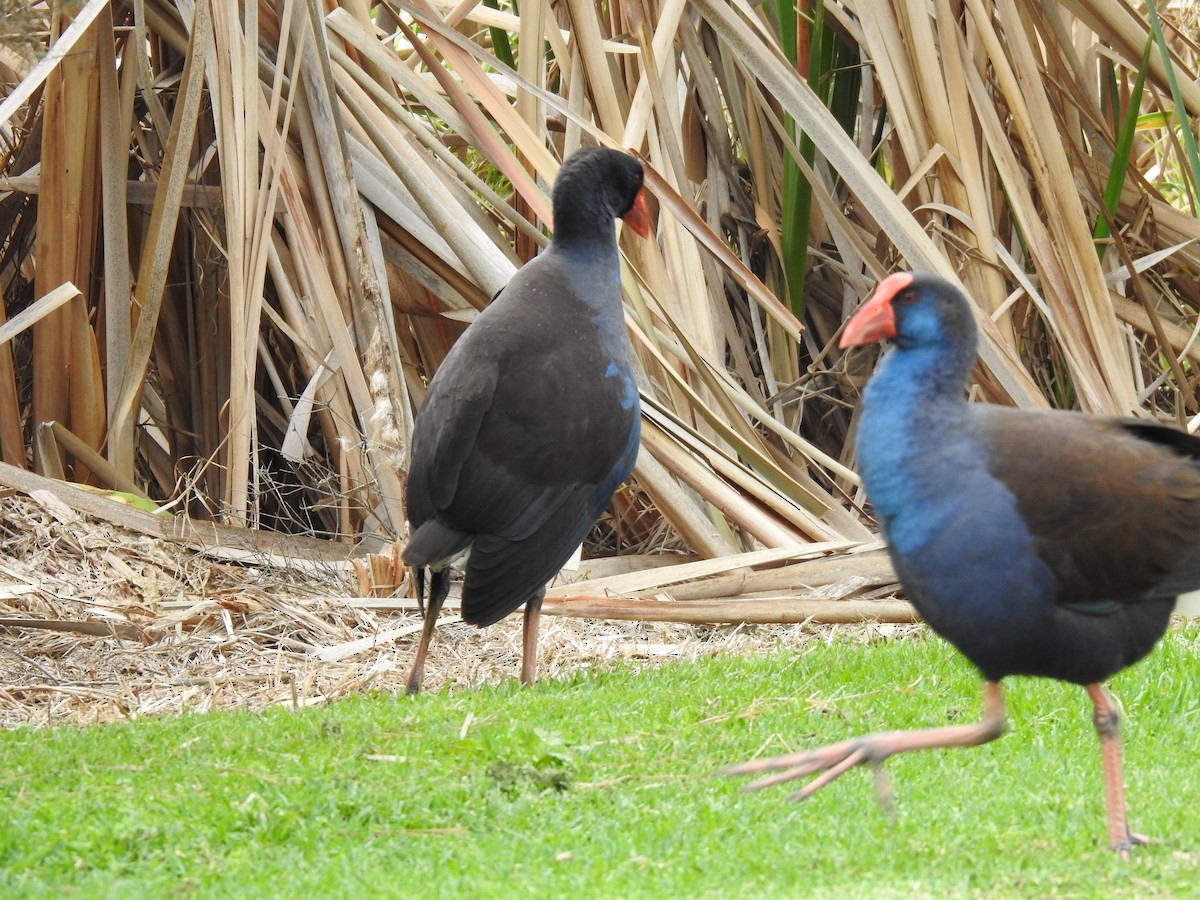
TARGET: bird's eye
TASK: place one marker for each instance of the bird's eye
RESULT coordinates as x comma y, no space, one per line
908,297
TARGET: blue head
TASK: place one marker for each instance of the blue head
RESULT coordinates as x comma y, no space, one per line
928,320
595,186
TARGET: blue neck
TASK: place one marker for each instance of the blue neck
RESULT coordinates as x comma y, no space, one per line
913,441
911,387
596,267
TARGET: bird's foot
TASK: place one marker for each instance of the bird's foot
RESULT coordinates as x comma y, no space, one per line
836,759
831,761
1132,839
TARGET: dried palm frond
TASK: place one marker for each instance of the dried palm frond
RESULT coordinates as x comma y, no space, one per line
280,215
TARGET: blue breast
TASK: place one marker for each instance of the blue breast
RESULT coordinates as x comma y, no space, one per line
954,532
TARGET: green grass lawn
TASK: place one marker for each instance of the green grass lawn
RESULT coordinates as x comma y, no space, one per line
602,786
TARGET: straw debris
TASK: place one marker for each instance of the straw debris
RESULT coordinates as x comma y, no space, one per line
99,622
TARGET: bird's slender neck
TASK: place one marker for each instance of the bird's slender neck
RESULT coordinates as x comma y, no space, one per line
593,263
596,242
596,265
914,377
587,223
912,434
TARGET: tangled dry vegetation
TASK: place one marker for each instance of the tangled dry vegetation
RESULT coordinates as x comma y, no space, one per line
237,237
106,619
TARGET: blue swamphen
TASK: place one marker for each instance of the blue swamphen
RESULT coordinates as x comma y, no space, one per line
532,420
1045,543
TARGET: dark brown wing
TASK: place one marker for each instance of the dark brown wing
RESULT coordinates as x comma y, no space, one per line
1113,504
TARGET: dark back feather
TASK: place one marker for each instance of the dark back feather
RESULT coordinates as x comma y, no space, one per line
532,420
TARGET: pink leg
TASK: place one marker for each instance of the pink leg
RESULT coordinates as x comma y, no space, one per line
529,638
1108,728
836,759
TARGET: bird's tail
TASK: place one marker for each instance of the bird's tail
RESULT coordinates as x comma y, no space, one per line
434,545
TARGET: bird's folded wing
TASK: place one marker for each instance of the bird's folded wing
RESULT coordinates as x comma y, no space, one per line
1113,505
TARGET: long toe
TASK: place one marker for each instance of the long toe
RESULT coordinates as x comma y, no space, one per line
835,760
1132,839
802,763
832,762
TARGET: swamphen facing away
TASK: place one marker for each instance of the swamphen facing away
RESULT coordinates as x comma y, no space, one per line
532,420
1043,543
